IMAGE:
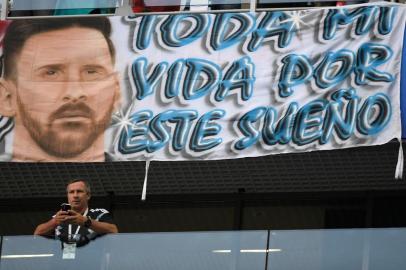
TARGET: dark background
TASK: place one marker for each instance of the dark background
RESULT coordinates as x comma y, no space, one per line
348,188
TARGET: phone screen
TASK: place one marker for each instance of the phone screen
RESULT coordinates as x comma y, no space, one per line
65,207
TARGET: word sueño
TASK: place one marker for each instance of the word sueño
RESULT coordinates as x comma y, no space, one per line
343,114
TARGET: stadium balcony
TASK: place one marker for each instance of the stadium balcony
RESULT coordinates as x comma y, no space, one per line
361,194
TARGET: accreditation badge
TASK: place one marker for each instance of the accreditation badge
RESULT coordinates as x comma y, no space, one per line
69,251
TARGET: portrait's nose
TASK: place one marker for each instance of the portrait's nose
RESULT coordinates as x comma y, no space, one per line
74,91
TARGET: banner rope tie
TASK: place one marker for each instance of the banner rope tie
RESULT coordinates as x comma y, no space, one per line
144,187
399,165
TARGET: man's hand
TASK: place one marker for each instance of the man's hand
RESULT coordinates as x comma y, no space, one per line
48,227
74,217
60,217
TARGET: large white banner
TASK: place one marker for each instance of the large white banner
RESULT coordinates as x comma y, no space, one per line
205,86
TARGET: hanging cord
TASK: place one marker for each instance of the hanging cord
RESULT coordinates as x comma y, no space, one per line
144,187
399,165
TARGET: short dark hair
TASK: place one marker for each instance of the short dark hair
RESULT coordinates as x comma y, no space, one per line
87,184
19,31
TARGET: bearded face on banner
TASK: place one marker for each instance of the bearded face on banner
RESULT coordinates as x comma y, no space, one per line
6,124
60,87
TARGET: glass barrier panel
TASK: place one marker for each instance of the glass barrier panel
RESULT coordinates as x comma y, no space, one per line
181,251
156,5
356,249
186,5
23,252
290,1
222,5
62,4
20,8
297,3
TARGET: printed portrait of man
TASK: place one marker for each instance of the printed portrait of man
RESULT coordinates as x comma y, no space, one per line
60,86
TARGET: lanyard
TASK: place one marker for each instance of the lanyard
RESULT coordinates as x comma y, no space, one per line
78,228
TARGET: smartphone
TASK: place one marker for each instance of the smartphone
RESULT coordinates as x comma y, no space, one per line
65,207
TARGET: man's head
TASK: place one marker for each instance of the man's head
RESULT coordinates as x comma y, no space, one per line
78,192
59,81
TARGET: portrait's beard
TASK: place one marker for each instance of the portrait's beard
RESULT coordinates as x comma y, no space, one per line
66,139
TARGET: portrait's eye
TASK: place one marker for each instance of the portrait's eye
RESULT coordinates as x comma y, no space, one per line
93,73
49,74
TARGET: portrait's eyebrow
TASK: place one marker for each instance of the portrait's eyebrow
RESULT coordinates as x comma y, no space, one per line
95,66
48,66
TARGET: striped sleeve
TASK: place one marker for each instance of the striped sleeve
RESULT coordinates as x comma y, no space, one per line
6,125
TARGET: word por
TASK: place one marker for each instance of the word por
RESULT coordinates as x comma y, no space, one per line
335,67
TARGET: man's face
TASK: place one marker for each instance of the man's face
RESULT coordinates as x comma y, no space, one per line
66,89
78,196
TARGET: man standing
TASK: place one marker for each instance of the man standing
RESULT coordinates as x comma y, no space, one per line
81,223
60,87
